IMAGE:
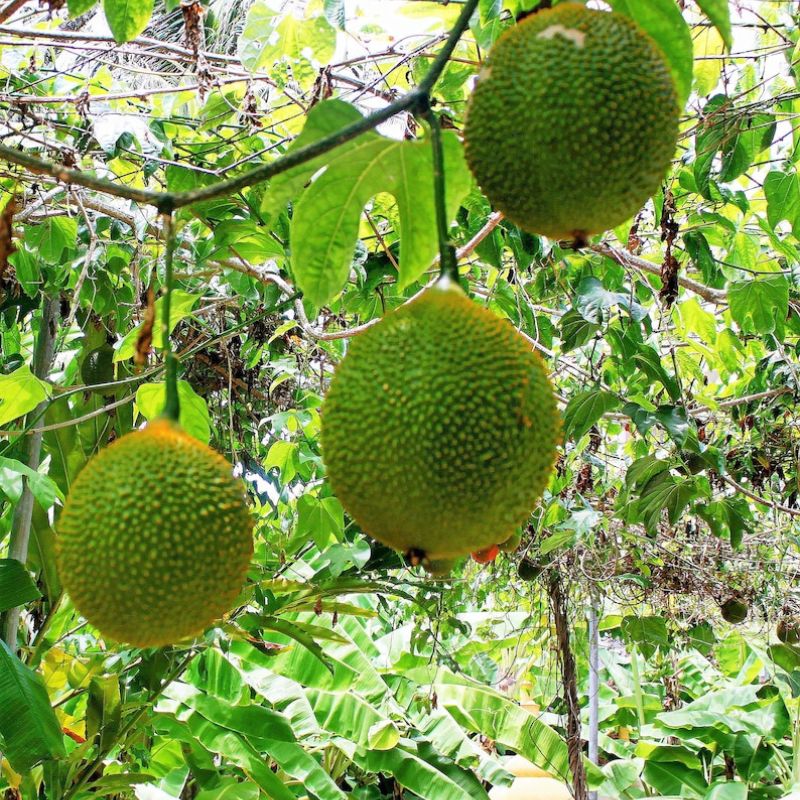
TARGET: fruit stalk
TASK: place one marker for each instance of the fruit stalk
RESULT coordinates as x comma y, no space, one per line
172,406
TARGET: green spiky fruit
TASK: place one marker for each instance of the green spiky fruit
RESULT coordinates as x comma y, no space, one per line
529,570
440,427
734,611
98,366
788,631
573,122
512,543
155,537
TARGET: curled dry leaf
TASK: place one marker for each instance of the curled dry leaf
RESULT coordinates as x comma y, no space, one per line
145,340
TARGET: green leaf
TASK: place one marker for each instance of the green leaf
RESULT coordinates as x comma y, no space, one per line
11,483
416,774
321,519
335,13
283,456
728,790
782,190
20,392
103,710
593,301
718,11
728,518
127,18
482,710
78,7
663,20
300,636
180,308
670,494
649,362
194,416
299,35
29,729
16,585
647,633
327,216
760,306
53,238
585,409
576,331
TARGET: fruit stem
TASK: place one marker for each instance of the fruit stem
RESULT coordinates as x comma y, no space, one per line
172,406
448,263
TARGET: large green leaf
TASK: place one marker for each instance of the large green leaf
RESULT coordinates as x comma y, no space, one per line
194,416
663,20
585,409
29,729
326,218
782,191
20,392
16,586
760,306
302,33
482,710
416,774
12,485
719,12
127,18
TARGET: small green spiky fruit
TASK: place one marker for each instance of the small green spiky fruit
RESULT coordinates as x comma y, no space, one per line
98,366
440,427
155,537
734,611
573,122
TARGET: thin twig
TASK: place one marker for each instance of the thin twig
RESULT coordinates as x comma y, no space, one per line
626,259
794,512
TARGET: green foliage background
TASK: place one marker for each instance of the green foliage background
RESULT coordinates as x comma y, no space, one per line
672,341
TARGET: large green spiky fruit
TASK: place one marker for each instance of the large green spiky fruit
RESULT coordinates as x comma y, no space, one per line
573,121
440,427
155,537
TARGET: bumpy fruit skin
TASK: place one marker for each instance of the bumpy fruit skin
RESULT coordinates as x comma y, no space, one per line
155,537
573,122
734,611
440,427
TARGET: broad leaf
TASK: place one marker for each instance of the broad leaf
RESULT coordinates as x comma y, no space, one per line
585,409
16,585
127,18
718,11
761,305
29,729
194,416
326,218
663,20
20,392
